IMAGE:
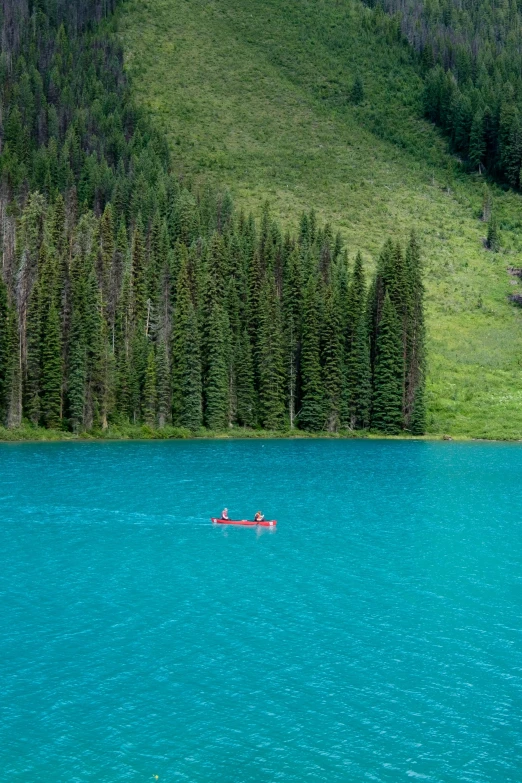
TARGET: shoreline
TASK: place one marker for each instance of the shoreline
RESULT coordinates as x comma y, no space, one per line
26,434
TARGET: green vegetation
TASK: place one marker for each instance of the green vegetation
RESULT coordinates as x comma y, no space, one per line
136,299
471,60
260,97
98,358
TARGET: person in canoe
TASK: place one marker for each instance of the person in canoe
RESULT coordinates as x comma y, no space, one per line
224,513
258,517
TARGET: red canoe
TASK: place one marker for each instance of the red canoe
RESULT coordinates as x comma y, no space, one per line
245,522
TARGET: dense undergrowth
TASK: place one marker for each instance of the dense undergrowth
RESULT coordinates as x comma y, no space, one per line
259,97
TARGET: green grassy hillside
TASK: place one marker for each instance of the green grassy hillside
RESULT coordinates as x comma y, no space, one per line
255,96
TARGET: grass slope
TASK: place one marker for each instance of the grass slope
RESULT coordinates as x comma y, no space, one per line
255,96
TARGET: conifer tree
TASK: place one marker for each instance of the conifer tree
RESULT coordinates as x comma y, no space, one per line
123,340
312,413
357,94
217,388
150,390
32,406
192,412
216,272
186,362
102,366
418,415
14,391
356,300
184,219
159,262
477,141
358,375
270,358
493,238
97,366
333,368
245,388
51,376
5,352
58,238
138,367
107,249
163,382
77,372
415,356
292,305
139,284
358,372
388,372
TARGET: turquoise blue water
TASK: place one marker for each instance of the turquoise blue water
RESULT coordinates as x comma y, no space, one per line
376,635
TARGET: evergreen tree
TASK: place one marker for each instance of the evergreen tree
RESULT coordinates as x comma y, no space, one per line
356,300
418,416
493,238
123,339
358,372
414,406
32,406
150,390
13,386
477,141
5,352
359,377
245,388
138,367
186,362
191,412
107,249
357,94
58,236
333,362
217,375
77,372
388,373
139,283
312,414
102,368
51,377
270,361
163,382
292,305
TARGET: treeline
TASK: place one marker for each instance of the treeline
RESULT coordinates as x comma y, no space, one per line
471,59
233,326
128,296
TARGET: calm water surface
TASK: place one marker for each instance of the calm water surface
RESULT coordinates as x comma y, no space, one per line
375,636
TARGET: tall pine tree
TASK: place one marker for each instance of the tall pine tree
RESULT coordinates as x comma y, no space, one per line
388,372
312,413
186,362
150,390
5,352
270,358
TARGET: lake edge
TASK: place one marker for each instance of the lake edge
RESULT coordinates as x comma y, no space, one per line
143,433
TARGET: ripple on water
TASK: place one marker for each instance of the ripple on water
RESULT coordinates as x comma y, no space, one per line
375,635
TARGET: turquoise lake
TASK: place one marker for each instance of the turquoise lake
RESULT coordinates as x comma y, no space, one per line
376,635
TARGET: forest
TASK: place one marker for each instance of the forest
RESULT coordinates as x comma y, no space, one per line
471,61
130,296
